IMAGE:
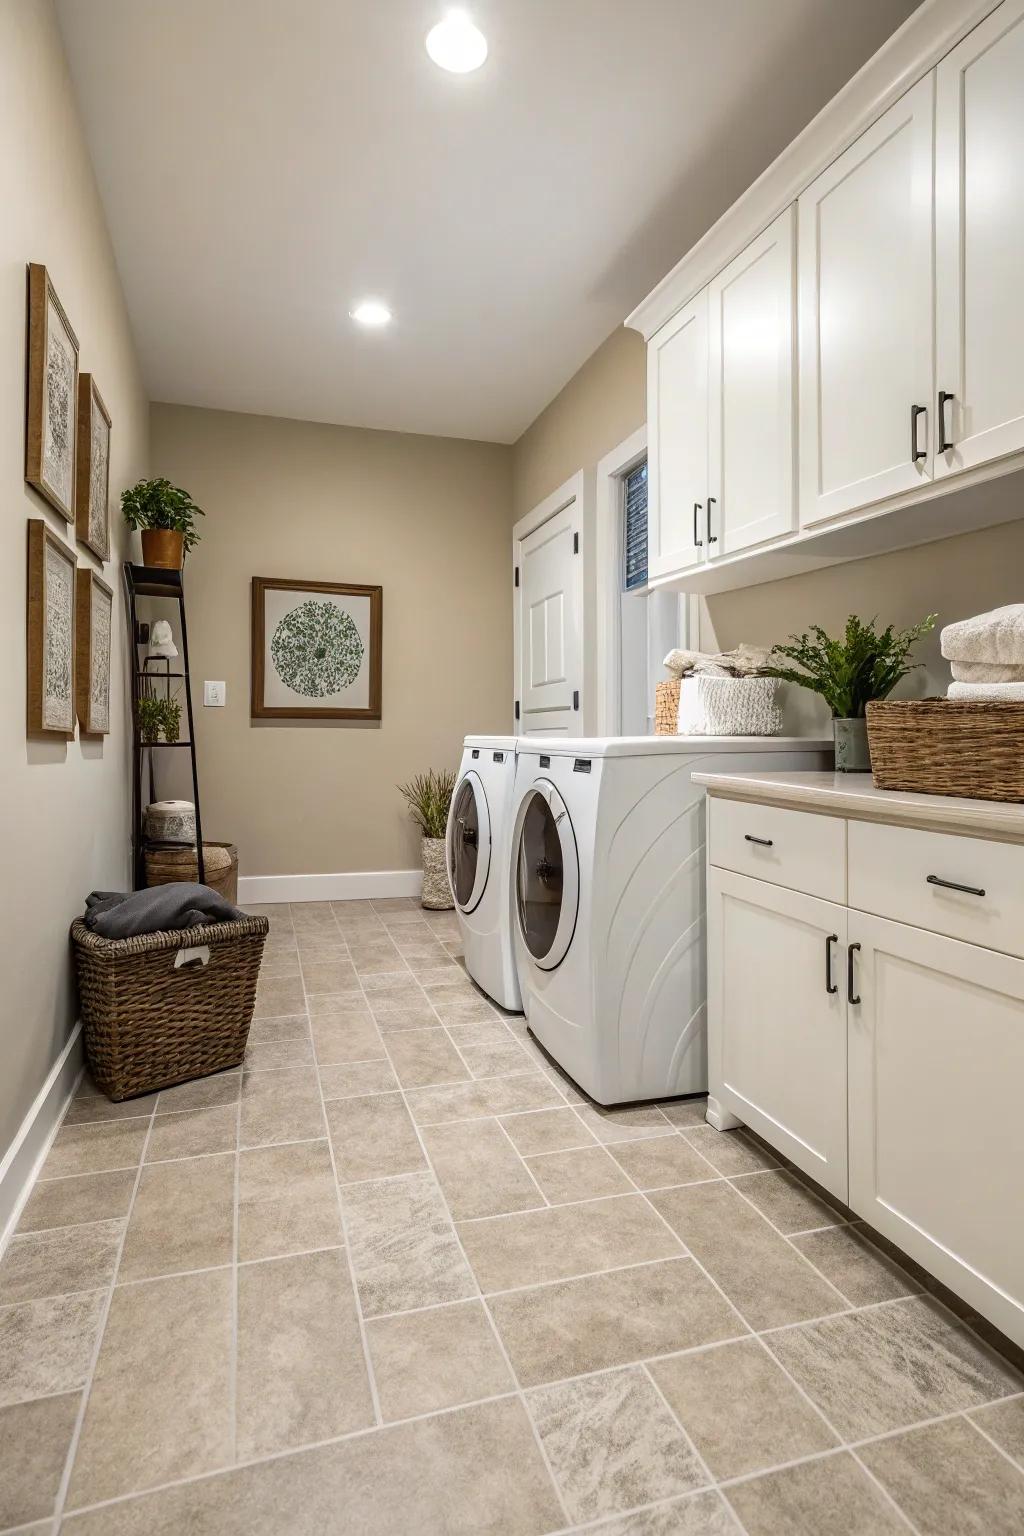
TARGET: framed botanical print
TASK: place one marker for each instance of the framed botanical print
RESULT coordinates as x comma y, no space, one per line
94,609
51,633
316,650
92,469
51,427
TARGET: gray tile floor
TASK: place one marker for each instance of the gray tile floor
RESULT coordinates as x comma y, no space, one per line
398,1275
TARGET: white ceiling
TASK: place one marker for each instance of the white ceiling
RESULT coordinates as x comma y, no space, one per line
266,163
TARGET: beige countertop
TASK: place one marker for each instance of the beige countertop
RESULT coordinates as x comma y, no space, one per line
854,794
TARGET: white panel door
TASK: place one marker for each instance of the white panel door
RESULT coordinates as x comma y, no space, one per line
752,412
936,1130
979,192
866,316
548,629
777,1016
677,440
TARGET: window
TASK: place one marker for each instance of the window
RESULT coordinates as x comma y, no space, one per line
634,535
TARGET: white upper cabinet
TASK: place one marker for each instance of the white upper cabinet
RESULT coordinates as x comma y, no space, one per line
677,439
866,316
980,242
752,445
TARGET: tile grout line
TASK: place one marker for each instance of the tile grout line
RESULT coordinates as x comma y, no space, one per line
233,1368
965,1413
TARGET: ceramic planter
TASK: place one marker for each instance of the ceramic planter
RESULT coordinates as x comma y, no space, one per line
437,893
851,739
163,548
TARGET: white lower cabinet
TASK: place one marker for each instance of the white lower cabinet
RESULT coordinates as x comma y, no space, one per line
936,1061
893,1072
774,985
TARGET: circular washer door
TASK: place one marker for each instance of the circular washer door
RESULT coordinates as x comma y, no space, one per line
469,843
547,875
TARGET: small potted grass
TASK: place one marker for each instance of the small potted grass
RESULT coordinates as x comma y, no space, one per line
429,796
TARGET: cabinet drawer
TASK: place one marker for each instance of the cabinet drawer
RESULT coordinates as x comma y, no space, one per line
797,849
896,872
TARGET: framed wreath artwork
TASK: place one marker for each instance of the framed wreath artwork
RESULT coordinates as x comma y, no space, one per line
52,422
316,650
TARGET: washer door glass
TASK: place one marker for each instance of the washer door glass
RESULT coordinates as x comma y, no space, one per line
469,843
547,876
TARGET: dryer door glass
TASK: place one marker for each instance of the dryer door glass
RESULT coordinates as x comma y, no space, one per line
469,843
547,877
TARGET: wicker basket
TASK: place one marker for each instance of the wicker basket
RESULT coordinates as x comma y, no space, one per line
948,747
666,708
168,864
148,1022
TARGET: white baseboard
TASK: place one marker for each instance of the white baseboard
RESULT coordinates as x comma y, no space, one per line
361,884
27,1152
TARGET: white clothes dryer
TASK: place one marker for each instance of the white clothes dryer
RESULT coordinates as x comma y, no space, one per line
609,901
478,844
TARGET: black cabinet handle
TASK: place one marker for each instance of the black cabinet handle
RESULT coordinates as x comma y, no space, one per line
697,541
916,452
850,998
944,443
763,842
951,885
712,537
831,987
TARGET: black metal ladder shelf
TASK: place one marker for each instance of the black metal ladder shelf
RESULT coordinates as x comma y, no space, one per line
151,581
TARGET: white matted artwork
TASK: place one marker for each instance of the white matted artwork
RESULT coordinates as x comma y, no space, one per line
52,396
51,633
92,474
316,650
94,608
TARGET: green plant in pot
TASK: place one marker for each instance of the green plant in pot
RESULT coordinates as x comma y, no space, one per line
849,673
149,713
170,718
429,797
166,516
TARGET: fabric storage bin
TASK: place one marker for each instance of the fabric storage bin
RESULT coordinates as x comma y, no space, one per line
948,747
164,1008
705,704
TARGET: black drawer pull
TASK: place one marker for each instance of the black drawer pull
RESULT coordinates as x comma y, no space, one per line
712,537
831,987
951,885
762,842
916,451
945,398
850,995
698,542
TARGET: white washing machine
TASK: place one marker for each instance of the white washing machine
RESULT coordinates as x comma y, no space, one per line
609,901
479,844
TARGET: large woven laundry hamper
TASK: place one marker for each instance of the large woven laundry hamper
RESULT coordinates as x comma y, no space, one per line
164,1008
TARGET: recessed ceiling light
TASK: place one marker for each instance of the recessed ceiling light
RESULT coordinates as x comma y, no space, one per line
456,44
371,312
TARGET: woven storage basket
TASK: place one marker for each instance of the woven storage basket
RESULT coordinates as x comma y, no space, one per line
147,1023
169,864
666,708
948,747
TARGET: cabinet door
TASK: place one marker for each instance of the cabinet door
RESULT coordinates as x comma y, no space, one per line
936,1130
979,190
776,1032
866,316
752,447
677,439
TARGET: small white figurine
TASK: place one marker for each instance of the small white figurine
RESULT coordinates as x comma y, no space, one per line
161,640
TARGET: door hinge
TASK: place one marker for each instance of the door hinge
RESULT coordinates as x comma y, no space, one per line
575,543
575,698
517,709
517,575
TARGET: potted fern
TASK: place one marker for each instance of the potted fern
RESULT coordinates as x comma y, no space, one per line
166,517
850,673
429,796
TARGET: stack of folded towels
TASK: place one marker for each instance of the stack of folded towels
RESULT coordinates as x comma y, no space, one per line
986,654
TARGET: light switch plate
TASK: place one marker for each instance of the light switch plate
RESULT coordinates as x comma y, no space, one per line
215,693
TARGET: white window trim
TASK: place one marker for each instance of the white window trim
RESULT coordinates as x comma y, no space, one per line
571,491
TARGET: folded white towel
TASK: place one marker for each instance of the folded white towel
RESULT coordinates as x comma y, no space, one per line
987,693
996,636
987,672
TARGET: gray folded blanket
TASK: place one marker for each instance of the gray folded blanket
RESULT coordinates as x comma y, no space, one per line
181,904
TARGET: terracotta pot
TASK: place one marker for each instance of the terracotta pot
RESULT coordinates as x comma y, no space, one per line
164,548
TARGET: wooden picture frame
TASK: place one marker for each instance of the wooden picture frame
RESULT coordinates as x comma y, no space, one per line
92,469
316,640
94,622
51,633
51,426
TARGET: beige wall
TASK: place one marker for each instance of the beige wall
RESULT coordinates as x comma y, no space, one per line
953,577
428,519
65,824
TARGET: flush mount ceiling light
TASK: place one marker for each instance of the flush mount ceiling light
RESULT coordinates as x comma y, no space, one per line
456,44
371,312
